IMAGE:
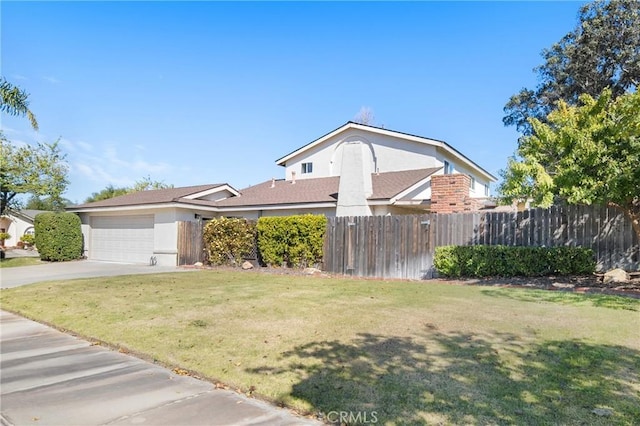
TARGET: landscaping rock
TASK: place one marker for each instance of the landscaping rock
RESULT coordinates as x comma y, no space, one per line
198,264
563,285
602,412
311,271
616,276
247,265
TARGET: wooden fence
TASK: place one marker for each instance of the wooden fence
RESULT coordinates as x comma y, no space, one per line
379,246
190,243
403,246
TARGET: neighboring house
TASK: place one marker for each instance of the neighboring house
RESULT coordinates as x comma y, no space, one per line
352,171
18,223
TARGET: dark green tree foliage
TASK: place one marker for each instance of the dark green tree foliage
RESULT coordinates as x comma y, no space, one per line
144,184
228,240
108,192
602,51
507,261
46,203
58,236
294,241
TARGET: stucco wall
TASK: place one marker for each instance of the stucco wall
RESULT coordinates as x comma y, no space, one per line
385,154
15,227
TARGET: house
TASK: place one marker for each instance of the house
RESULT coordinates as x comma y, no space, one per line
18,223
353,170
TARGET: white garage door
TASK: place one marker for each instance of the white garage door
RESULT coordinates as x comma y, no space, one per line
122,238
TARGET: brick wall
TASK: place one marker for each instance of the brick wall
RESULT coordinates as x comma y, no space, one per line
450,194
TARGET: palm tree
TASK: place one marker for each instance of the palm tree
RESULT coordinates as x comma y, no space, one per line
15,101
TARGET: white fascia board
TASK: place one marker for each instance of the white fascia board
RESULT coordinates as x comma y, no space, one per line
412,203
275,207
379,202
456,154
409,189
212,191
142,207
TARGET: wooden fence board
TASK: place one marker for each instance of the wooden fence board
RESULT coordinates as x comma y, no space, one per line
403,246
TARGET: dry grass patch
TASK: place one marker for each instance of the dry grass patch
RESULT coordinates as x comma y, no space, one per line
411,352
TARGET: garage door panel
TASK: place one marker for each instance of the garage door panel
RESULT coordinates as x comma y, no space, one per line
122,238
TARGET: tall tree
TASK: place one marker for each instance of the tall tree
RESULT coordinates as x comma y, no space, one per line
40,170
602,51
584,154
144,184
109,192
15,101
46,203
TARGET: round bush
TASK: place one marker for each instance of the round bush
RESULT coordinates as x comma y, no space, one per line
58,236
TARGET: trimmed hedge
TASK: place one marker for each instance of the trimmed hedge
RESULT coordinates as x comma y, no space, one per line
228,240
58,236
294,241
508,261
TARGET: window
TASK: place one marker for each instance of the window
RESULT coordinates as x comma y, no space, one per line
448,168
307,168
486,189
472,183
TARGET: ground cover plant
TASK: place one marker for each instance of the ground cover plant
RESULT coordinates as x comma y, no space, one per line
412,352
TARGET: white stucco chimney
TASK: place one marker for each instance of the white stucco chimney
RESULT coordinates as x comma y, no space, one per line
293,178
355,181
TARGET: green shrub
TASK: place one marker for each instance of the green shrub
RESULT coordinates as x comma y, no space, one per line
507,261
28,239
4,236
294,241
228,240
58,236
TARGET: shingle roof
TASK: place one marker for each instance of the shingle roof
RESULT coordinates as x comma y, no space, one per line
285,192
319,190
386,185
154,196
304,191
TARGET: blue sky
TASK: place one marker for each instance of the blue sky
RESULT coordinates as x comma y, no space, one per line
208,92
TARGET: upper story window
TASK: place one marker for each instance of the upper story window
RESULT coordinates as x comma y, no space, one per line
486,189
448,168
472,183
307,167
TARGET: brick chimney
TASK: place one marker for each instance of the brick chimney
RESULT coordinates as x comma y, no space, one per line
450,194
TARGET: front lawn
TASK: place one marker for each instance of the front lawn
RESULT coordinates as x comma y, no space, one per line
19,261
402,352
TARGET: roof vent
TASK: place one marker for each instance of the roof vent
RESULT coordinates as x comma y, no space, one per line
293,178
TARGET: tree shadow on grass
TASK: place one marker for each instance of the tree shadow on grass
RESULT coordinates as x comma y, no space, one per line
455,378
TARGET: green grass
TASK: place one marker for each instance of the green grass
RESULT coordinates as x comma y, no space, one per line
19,261
412,352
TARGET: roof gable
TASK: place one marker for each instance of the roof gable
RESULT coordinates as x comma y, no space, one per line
390,133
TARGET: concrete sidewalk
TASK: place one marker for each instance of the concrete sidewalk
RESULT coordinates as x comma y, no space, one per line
51,378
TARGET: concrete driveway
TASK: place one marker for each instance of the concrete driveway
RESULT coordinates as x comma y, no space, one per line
13,277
